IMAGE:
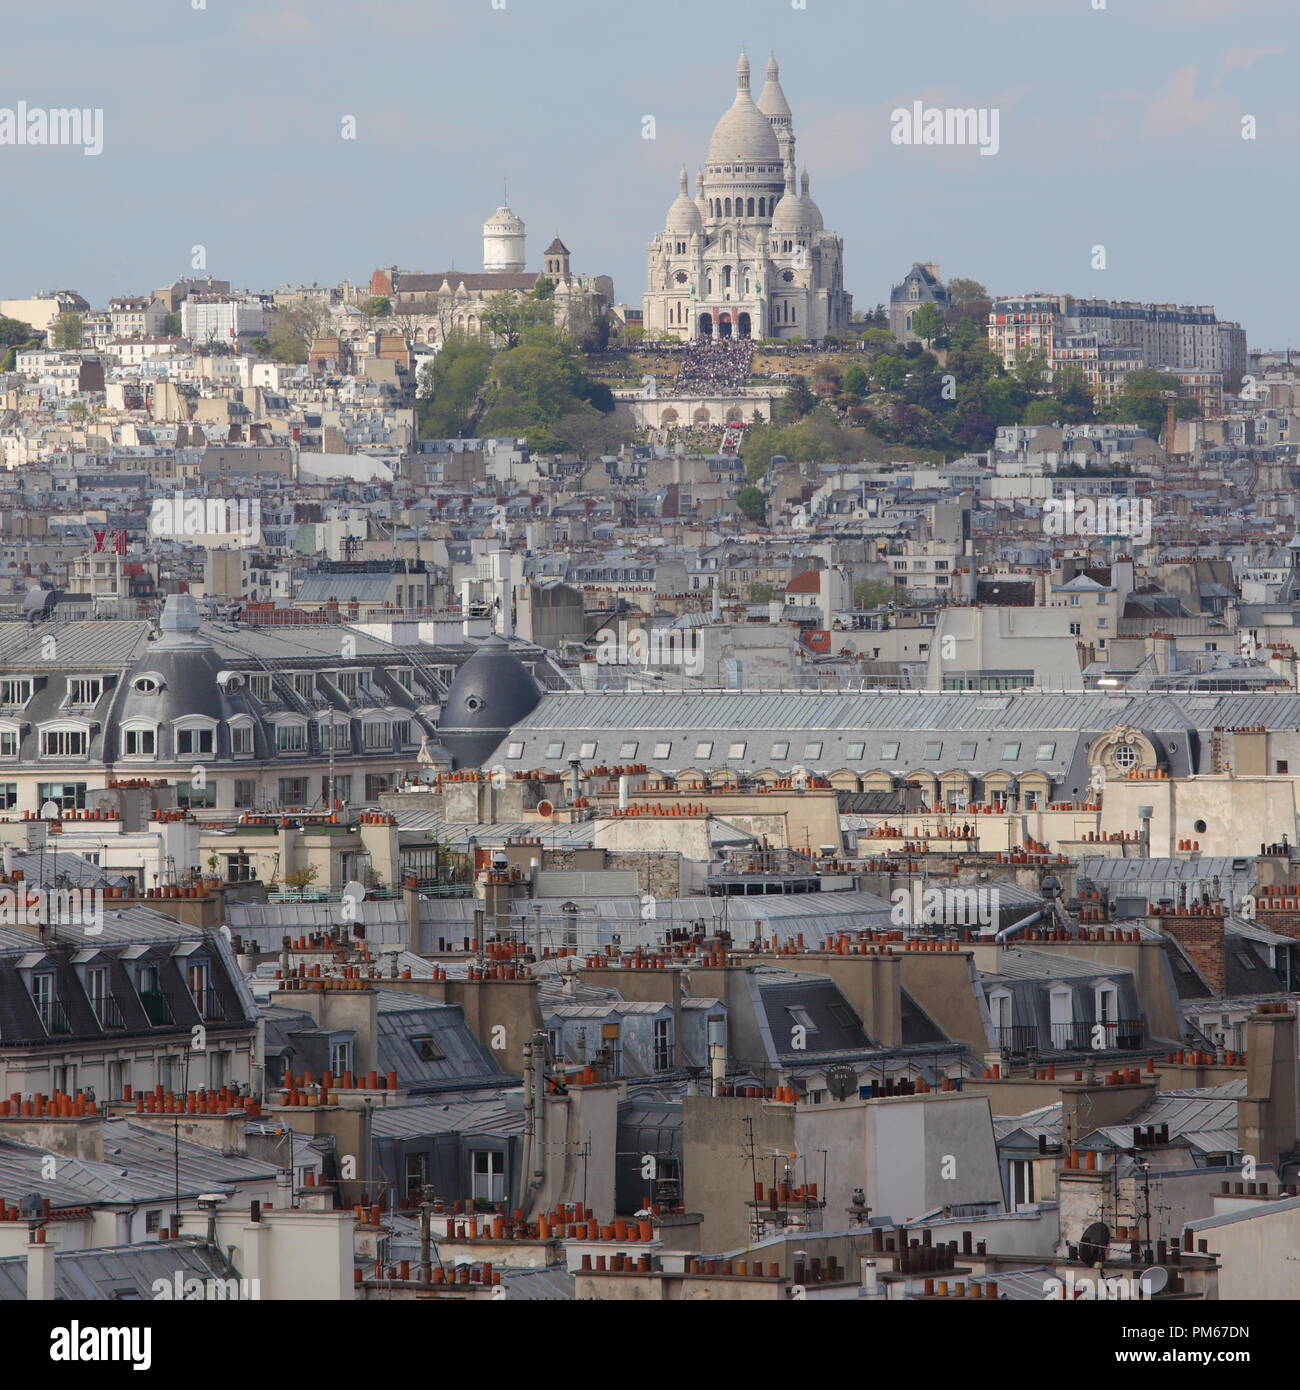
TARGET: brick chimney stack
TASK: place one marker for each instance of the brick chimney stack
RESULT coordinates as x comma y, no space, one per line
1199,931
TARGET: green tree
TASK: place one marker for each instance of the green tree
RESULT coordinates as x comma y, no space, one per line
295,328
15,333
888,372
762,593
539,390
797,401
753,506
171,325
68,332
1142,397
927,323
1030,369
451,384
378,306
818,438
966,291
855,380
1072,396
872,593
1046,411
506,316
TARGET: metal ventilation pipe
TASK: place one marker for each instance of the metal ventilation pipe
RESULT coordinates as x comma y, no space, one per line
1018,926
1144,831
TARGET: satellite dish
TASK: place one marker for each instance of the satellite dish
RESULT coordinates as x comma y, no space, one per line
1094,1243
354,890
1153,1281
842,1082
545,809
499,776
51,811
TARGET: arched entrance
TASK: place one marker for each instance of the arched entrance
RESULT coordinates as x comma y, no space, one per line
706,325
742,325
724,325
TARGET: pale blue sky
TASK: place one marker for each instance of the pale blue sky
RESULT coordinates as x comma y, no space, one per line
1118,127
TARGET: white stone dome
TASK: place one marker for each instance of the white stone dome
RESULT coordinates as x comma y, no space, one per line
684,216
744,134
797,212
503,222
811,213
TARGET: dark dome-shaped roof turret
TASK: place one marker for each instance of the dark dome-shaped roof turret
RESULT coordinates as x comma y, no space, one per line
490,694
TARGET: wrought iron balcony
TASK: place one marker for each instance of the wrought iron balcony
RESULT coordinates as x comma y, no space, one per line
210,1005
108,1010
1111,1035
157,1007
53,1016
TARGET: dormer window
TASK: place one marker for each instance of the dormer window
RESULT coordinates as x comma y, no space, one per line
64,742
197,736
140,741
149,684
291,738
336,735
16,690
241,738
85,690
376,735
351,683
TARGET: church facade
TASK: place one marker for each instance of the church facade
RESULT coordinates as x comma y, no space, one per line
748,256
431,306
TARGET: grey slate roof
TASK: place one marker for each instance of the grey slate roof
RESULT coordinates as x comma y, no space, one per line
1020,963
138,1166
836,719
464,1063
114,1271
501,1117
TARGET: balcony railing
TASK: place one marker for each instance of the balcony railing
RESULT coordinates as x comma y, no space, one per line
1122,1034
53,1016
108,1010
157,1007
209,1004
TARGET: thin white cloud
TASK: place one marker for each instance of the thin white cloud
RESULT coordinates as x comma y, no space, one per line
281,26
1178,107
